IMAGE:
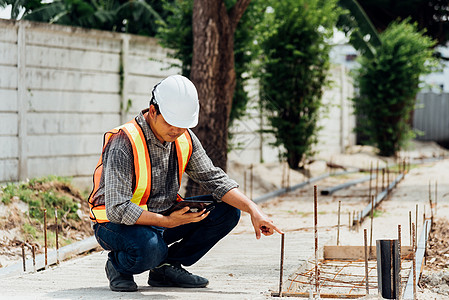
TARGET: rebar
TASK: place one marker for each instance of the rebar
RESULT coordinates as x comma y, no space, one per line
410,226
383,179
45,238
244,182
377,177
399,289
281,271
370,179
436,194
371,233
315,200
338,225
416,219
366,260
414,263
251,182
23,258
33,253
57,231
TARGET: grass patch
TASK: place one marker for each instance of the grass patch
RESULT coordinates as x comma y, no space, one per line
43,193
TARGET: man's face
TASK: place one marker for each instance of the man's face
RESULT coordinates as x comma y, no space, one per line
163,131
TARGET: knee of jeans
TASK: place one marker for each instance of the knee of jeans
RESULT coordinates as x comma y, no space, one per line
150,254
233,216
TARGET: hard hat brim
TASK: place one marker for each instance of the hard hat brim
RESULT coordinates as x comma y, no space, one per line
174,120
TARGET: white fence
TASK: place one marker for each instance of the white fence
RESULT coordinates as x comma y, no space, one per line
62,87
431,117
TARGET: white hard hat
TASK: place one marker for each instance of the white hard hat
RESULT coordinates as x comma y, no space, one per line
177,99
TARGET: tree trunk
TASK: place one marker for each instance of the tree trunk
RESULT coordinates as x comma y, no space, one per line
213,74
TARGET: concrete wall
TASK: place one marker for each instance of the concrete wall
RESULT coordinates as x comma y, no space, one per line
61,88
336,119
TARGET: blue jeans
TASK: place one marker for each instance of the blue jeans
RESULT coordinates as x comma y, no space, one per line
138,248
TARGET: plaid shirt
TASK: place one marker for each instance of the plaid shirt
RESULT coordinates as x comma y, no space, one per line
118,177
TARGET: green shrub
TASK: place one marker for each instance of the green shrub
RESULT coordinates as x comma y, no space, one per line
295,63
388,84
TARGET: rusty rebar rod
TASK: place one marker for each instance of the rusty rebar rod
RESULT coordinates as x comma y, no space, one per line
372,223
436,197
33,253
416,219
23,258
410,226
349,217
57,232
45,238
399,289
414,262
370,179
338,225
366,261
281,271
244,182
377,177
315,201
251,182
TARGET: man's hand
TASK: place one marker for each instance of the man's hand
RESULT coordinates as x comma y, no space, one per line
262,224
183,216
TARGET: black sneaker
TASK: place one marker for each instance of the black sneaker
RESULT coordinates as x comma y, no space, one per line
119,282
167,275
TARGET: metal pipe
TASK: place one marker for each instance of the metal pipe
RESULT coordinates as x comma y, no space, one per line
338,226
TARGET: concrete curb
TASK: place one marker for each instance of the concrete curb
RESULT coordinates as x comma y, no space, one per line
64,253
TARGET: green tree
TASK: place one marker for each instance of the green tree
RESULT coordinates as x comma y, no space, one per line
131,16
294,68
388,84
176,33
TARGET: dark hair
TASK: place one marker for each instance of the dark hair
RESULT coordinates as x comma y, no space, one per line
153,101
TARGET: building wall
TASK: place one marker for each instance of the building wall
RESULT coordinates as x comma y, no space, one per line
61,88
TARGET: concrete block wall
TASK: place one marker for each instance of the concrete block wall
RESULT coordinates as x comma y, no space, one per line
61,88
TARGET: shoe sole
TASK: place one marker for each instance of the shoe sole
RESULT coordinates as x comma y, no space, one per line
171,284
114,289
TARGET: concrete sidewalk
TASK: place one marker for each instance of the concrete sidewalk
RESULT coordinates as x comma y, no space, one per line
238,267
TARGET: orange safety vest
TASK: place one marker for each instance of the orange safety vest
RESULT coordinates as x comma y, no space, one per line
142,167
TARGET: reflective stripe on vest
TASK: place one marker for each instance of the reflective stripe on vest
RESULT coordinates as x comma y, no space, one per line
142,166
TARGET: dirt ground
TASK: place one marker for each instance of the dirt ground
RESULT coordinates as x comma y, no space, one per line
293,211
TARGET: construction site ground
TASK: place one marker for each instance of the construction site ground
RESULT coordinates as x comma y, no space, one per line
241,267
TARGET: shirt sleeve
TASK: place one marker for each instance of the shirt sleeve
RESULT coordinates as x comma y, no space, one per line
118,170
201,170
